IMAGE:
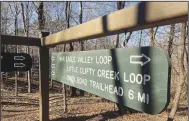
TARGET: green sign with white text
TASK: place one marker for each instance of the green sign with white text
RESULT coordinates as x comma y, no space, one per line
134,77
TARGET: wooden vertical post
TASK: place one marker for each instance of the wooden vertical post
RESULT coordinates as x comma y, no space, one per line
44,80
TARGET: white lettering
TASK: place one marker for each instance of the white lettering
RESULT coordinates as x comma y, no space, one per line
143,98
81,81
103,59
131,94
139,79
106,87
110,89
53,73
87,71
132,77
120,90
85,59
70,59
125,80
146,78
115,90
108,74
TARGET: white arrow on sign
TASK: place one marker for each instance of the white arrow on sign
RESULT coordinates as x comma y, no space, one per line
19,57
139,62
19,65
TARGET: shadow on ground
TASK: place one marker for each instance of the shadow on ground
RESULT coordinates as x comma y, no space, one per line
97,117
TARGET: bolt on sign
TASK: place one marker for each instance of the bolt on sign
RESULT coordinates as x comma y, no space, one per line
134,77
15,62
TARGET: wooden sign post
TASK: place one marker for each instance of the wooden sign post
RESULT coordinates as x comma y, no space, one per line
44,81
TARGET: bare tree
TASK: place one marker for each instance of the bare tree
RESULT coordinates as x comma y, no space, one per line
81,21
5,18
41,17
67,14
41,24
152,36
127,39
171,37
81,42
15,12
182,73
25,18
140,39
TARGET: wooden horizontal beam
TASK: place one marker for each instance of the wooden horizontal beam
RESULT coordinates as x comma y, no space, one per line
18,40
140,16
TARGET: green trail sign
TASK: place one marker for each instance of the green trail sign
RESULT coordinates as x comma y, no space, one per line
134,77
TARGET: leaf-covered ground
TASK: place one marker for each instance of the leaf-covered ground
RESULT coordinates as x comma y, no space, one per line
25,107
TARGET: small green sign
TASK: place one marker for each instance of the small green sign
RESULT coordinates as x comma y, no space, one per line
134,77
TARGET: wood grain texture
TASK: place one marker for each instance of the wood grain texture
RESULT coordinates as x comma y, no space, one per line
44,81
18,40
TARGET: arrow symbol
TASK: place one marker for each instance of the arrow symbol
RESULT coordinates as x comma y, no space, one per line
19,58
139,62
19,65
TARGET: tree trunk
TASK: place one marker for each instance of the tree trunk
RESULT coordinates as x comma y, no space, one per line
152,36
117,41
68,4
41,22
65,101
6,74
127,39
73,89
140,42
16,33
64,97
41,18
182,74
26,32
29,75
63,85
82,42
2,73
171,37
